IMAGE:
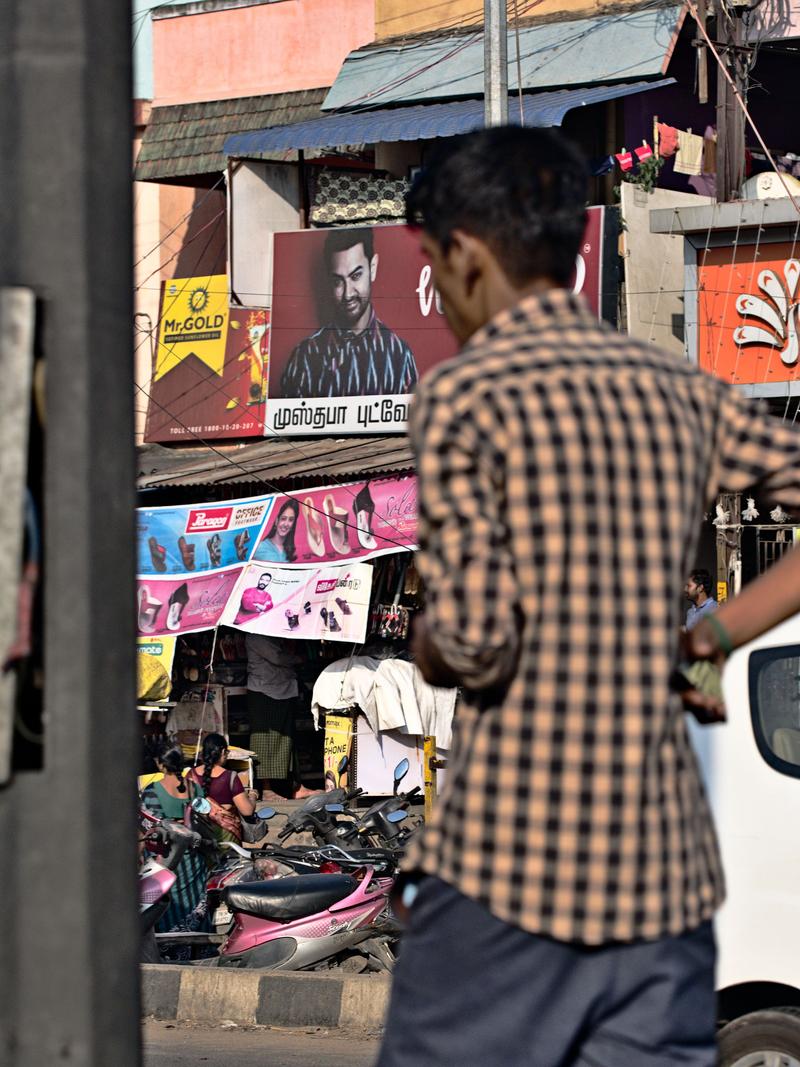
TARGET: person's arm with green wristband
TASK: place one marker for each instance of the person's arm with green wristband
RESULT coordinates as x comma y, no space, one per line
762,604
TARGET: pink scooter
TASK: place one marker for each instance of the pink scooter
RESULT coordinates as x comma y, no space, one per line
309,921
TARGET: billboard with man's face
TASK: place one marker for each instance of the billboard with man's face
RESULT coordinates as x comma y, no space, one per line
356,322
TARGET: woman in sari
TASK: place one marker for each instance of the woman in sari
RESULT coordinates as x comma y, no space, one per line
223,789
167,799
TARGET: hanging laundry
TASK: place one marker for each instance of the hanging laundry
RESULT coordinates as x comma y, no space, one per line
643,152
704,184
625,159
710,151
601,166
667,140
689,158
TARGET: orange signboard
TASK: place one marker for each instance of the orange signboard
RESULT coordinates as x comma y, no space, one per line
747,313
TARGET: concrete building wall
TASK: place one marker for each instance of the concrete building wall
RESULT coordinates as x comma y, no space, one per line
397,17
179,232
249,51
264,199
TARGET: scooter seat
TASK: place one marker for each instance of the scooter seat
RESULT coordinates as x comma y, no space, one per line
284,899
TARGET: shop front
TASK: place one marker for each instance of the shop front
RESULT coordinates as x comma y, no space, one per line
315,584
740,290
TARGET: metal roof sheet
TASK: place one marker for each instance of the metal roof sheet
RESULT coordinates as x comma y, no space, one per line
187,139
623,46
313,462
424,120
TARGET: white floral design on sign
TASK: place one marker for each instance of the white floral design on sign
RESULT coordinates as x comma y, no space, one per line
778,312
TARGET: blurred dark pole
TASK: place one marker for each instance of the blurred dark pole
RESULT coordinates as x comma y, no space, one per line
69,992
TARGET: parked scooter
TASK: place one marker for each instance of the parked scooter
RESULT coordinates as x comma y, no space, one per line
309,921
382,824
170,839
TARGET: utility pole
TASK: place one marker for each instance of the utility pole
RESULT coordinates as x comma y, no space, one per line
495,63
730,116
69,985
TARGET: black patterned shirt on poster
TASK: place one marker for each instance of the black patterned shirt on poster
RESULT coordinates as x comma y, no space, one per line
334,362
564,470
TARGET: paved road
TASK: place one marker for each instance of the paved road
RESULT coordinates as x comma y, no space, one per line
182,1044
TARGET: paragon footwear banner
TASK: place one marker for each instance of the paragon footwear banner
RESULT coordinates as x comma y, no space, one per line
193,558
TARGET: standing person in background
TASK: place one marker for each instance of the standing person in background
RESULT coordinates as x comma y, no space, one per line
698,591
167,799
561,896
272,704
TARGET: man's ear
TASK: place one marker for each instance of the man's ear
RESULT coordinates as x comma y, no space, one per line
466,258
373,267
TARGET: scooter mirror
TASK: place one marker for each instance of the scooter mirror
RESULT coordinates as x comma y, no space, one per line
335,808
396,816
265,813
201,806
342,765
401,770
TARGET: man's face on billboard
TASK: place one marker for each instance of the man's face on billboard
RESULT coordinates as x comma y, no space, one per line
351,278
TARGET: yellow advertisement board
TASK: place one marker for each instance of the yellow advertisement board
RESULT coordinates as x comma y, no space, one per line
154,667
338,734
193,322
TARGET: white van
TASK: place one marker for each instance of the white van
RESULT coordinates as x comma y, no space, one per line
752,772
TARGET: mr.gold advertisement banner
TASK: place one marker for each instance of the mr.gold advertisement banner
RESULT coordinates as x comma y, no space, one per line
210,364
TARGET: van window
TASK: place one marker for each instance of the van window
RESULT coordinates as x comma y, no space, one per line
775,706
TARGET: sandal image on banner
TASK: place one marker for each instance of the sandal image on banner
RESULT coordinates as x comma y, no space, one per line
337,525
314,529
240,543
214,546
186,549
158,554
177,602
364,509
149,608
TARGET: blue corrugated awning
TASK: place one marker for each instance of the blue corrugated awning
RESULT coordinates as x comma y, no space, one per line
624,46
424,121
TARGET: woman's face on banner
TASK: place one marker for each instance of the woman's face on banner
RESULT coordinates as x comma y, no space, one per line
286,522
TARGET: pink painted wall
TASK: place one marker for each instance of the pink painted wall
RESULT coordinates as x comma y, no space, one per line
249,51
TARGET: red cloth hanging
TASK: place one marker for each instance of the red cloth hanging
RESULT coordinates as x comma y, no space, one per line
667,140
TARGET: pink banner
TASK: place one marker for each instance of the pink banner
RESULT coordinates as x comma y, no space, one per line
183,605
357,521
330,602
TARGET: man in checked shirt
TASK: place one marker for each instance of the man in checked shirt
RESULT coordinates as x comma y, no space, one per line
563,892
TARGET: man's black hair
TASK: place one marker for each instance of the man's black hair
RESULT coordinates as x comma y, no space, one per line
703,578
521,191
340,240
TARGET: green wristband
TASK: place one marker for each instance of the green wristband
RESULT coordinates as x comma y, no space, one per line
723,637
